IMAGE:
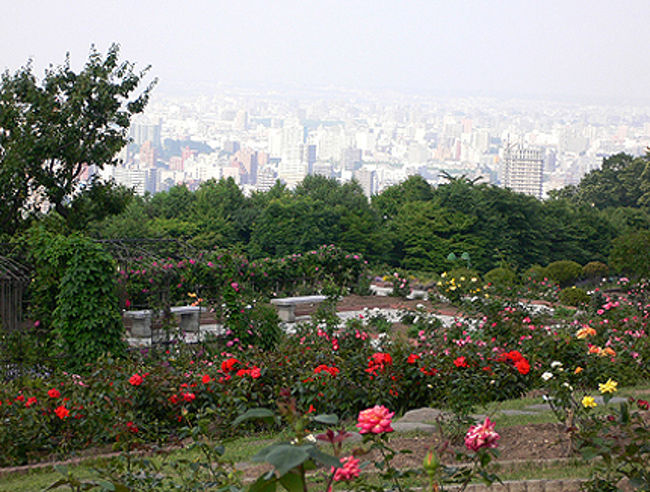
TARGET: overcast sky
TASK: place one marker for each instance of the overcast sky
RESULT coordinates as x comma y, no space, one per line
544,48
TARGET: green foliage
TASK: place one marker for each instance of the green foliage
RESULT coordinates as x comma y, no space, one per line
96,202
536,272
631,254
413,189
595,270
564,272
574,296
73,295
87,318
502,278
50,130
622,181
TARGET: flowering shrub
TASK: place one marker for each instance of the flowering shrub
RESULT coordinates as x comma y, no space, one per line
455,288
401,285
502,353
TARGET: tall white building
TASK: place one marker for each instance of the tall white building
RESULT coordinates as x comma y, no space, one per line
523,169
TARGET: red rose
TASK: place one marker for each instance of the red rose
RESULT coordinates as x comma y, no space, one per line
54,393
460,362
61,412
189,397
412,358
228,364
135,380
523,366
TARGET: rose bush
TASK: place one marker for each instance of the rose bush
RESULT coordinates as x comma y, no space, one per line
501,353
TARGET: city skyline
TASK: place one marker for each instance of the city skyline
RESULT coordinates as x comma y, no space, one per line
578,50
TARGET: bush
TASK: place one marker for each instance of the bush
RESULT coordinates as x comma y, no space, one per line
564,272
595,270
535,272
573,296
501,278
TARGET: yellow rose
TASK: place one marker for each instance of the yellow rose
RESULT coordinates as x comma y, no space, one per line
589,402
608,387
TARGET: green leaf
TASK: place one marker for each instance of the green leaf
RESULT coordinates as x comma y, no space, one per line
282,456
324,458
292,481
57,484
106,485
327,418
253,413
266,483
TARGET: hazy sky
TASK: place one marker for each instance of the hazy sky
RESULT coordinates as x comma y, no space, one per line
544,48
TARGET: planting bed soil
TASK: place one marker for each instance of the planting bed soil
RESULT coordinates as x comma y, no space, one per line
358,303
518,443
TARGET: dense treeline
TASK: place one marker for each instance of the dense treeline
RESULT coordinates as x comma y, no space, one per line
410,225
51,129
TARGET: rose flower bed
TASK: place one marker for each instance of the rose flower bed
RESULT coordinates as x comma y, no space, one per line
327,369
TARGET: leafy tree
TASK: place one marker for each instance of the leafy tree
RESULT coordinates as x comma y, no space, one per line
50,130
622,181
564,272
631,254
175,203
388,203
222,213
98,201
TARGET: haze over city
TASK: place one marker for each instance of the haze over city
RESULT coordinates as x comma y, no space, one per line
557,49
527,95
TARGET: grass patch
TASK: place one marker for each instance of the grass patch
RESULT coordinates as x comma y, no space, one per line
502,420
535,470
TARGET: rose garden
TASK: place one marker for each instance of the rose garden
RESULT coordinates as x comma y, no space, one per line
426,338
312,384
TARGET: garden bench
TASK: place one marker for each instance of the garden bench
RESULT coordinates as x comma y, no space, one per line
380,291
287,305
141,320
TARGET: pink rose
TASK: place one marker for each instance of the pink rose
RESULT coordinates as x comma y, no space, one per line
375,420
348,471
481,436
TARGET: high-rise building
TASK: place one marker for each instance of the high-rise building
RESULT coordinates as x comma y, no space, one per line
368,181
266,179
142,132
523,169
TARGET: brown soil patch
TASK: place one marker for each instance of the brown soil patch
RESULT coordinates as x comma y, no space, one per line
518,443
358,303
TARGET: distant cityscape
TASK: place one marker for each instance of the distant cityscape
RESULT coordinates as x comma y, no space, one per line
257,137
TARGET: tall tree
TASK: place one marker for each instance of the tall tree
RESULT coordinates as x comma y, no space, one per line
50,129
622,181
